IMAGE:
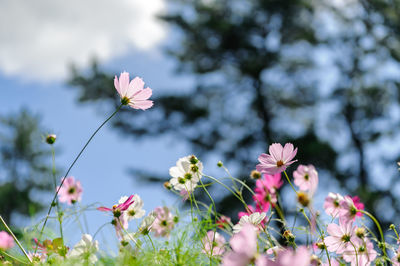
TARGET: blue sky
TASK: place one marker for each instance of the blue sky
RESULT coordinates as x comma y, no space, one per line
36,80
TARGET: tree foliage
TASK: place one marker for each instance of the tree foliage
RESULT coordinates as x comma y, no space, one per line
24,165
313,73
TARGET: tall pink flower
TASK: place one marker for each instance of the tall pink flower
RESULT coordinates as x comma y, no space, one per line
306,177
133,93
278,159
244,247
340,237
332,204
213,244
6,241
71,191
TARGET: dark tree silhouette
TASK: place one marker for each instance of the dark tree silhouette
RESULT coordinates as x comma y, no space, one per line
260,80
24,165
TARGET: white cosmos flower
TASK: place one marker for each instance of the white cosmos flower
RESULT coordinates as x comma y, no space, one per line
147,223
186,174
86,249
135,210
254,219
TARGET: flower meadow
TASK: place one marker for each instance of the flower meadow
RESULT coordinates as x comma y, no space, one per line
199,235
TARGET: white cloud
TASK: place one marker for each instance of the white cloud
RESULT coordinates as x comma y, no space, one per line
38,39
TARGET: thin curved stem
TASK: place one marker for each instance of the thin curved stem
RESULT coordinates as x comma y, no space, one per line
73,163
59,217
379,229
15,238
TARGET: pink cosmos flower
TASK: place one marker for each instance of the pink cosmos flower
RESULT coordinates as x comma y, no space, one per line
213,243
288,257
133,93
164,222
365,253
332,204
6,241
278,159
37,257
71,191
244,247
306,177
348,209
340,236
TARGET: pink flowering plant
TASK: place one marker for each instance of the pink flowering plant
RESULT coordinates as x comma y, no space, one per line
267,231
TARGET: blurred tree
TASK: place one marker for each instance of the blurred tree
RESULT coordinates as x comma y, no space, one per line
277,71
24,165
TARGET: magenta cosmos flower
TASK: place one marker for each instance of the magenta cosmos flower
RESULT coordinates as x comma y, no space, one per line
133,93
349,208
278,159
6,241
118,209
71,191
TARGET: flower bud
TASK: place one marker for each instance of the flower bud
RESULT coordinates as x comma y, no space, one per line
193,159
392,227
255,174
51,138
303,198
288,236
320,245
220,164
314,260
168,185
360,232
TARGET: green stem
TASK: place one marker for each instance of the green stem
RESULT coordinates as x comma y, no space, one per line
15,238
355,249
152,244
12,257
379,229
69,169
290,183
53,155
215,219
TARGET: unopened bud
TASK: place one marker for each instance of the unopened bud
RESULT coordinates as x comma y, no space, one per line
314,260
360,232
168,185
220,164
255,174
288,236
303,198
392,227
193,159
51,138
320,245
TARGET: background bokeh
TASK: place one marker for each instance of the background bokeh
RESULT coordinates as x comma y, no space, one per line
228,78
